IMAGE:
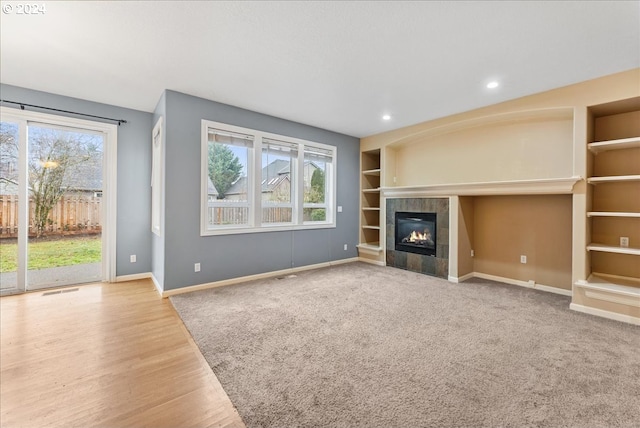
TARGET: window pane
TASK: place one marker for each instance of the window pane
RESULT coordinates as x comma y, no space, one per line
219,215
8,205
276,215
278,177
315,172
156,178
315,214
228,178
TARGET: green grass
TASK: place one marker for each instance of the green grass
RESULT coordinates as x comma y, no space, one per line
48,253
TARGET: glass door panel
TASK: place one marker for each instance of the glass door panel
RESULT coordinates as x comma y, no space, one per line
65,170
9,181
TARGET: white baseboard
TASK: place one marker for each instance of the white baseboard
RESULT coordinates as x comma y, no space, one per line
462,278
156,283
373,262
134,277
241,279
526,284
605,314
138,276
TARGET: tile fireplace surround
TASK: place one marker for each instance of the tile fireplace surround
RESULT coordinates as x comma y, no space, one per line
434,266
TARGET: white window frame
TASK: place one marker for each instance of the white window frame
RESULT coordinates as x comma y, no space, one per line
293,174
157,174
255,182
204,201
330,192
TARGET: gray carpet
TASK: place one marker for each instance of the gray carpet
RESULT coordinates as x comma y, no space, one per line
358,345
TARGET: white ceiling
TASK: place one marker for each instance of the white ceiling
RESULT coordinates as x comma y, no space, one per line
334,65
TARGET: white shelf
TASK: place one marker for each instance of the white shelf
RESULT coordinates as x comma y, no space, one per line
612,214
612,249
372,172
623,286
613,179
624,143
376,190
373,248
371,227
370,209
543,186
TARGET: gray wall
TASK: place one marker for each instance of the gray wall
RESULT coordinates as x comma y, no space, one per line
134,170
230,256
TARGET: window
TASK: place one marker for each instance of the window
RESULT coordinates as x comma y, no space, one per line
258,181
279,161
156,178
228,179
317,180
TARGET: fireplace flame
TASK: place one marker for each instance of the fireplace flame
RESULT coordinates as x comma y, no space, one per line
417,236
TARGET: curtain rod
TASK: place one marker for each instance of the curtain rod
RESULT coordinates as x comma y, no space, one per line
22,106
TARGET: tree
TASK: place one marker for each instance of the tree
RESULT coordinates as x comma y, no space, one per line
316,195
224,168
317,184
57,160
8,156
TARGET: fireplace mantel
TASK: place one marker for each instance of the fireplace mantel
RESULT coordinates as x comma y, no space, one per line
546,186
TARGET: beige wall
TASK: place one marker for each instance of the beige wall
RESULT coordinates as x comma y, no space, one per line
465,235
502,152
617,126
506,227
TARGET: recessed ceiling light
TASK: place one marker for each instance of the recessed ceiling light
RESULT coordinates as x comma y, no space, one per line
492,85
386,117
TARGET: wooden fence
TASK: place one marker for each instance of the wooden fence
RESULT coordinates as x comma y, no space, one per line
71,215
221,215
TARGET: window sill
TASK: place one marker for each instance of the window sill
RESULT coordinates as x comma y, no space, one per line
279,228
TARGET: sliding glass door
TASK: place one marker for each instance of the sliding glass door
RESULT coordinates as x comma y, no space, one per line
54,204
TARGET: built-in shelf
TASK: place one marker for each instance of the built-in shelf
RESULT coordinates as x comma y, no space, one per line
612,214
372,172
373,248
612,294
612,249
623,143
544,186
625,287
613,179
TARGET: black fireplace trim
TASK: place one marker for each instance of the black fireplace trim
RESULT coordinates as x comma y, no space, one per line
416,249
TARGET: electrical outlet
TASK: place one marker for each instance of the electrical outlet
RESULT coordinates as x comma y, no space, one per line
132,258
345,247
473,253
624,241
523,259
339,208
196,267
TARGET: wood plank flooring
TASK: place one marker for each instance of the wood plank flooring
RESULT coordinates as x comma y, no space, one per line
106,355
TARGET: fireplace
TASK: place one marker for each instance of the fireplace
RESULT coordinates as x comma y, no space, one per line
416,233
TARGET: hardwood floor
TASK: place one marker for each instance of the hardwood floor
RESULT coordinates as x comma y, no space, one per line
110,355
